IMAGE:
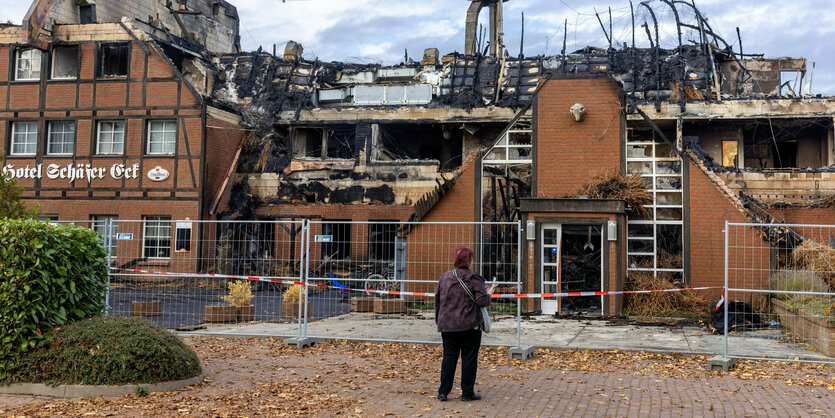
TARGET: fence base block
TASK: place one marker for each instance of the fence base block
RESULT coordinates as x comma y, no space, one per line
719,363
523,352
300,343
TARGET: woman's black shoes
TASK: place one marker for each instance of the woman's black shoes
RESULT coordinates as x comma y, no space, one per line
441,398
473,397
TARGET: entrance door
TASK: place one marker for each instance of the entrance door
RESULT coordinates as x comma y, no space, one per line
572,261
551,238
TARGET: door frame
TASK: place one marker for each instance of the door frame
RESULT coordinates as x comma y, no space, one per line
545,222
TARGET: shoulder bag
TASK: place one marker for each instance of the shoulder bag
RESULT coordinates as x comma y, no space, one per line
485,326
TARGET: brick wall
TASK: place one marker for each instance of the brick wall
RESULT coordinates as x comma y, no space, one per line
432,247
223,138
569,153
709,209
145,95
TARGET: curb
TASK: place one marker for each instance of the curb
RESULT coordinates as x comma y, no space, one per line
93,391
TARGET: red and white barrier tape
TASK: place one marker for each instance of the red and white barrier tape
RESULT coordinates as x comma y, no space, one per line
422,294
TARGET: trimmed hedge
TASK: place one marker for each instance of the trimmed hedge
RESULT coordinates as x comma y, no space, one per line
108,351
49,275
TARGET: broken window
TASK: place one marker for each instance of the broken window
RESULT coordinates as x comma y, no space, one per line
308,142
381,237
65,62
790,143
443,143
114,60
28,64
337,240
333,141
87,13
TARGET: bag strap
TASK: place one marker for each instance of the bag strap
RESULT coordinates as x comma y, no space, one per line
467,289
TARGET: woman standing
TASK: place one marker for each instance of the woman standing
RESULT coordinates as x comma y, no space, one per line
459,322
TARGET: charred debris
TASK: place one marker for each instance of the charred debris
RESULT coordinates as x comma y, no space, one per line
348,133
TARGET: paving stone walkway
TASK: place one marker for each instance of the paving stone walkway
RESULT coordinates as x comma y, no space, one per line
259,377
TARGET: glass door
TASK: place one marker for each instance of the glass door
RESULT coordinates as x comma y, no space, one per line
551,238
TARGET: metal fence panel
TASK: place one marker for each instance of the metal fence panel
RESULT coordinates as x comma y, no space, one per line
361,280
408,259
180,274
779,281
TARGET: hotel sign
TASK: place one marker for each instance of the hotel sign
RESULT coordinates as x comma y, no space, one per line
73,172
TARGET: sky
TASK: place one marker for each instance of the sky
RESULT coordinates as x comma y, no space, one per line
384,30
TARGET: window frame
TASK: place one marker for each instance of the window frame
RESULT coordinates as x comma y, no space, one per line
49,133
98,221
100,60
99,133
14,134
150,131
52,62
162,222
32,69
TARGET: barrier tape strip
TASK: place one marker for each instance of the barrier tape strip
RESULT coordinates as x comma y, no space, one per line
423,294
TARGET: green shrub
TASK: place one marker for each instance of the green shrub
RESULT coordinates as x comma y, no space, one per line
796,281
108,351
49,275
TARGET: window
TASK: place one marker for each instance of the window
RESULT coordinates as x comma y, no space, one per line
655,242
61,138
28,64
65,63
381,240
162,136
111,139
338,245
24,138
215,9
182,235
87,13
157,243
114,60
100,226
48,218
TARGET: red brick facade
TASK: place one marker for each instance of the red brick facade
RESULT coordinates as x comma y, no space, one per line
569,153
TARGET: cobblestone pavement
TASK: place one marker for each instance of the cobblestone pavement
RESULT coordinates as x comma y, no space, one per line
259,377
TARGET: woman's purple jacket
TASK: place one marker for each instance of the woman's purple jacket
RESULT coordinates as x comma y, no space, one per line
454,310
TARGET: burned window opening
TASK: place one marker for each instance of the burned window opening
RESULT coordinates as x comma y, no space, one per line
337,142
65,62
175,55
337,245
245,248
764,144
443,143
87,14
381,240
114,60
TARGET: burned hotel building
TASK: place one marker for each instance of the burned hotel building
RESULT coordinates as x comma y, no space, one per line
149,111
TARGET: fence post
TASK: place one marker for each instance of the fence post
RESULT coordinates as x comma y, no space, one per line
519,284
108,243
726,293
306,260
303,271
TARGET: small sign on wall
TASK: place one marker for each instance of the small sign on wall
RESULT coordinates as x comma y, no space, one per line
158,174
324,238
124,237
